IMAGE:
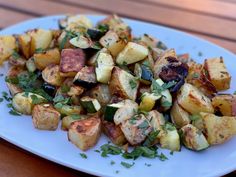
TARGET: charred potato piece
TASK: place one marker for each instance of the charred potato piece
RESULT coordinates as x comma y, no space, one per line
13,72
179,116
193,138
42,60
40,39
218,73
218,129
85,133
135,129
7,46
51,75
114,133
226,104
72,61
75,91
123,84
45,117
24,44
67,120
193,100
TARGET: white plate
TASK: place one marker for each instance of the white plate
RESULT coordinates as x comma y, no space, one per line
215,161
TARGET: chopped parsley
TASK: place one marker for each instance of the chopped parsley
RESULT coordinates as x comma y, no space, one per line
143,125
149,152
112,162
171,152
166,104
132,84
147,164
14,112
110,149
37,100
168,85
83,155
162,157
117,171
1,100
15,55
169,127
103,28
39,50
195,75
75,116
151,138
96,45
65,88
200,54
5,96
161,45
127,165
97,151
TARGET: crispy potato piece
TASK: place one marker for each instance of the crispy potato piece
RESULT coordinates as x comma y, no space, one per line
67,120
123,84
40,39
218,73
45,117
136,129
114,133
193,100
72,61
179,116
218,129
112,42
42,60
226,104
13,72
75,90
51,75
85,133
7,46
24,44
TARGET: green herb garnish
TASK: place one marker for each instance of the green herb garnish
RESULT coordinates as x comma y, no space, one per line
168,85
14,112
75,116
151,138
200,54
37,100
147,164
5,96
83,155
166,104
127,165
110,149
15,55
161,45
39,50
65,88
112,162
1,100
143,125
195,75
194,117
103,28
132,84
149,152
162,157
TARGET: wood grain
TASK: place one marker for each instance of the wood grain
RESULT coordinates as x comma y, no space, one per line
187,21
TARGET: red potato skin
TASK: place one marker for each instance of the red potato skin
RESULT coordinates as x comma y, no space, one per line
72,60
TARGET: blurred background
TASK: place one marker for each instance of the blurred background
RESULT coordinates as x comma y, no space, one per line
213,20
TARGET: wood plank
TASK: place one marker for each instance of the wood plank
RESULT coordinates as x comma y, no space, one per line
9,17
42,7
170,17
214,8
17,162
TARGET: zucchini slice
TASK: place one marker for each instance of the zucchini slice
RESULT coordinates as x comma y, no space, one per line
193,138
144,73
90,104
81,42
102,93
86,77
111,109
95,34
67,109
148,101
30,65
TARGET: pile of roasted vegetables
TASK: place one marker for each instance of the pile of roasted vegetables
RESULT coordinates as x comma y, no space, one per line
103,79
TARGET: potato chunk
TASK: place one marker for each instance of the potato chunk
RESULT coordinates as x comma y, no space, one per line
218,73
51,75
226,104
112,42
40,39
42,60
193,100
13,72
123,84
7,46
132,53
114,133
218,129
136,129
72,61
85,133
179,116
24,44
45,117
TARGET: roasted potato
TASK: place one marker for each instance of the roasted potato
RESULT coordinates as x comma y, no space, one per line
85,133
42,60
113,43
218,73
123,84
179,116
45,117
51,74
226,104
193,100
7,46
24,44
69,110
40,39
23,102
218,129
136,128
102,93
75,90
114,133
67,120
193,138
132,53
13,72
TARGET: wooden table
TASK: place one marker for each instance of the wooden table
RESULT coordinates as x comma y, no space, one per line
213,20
